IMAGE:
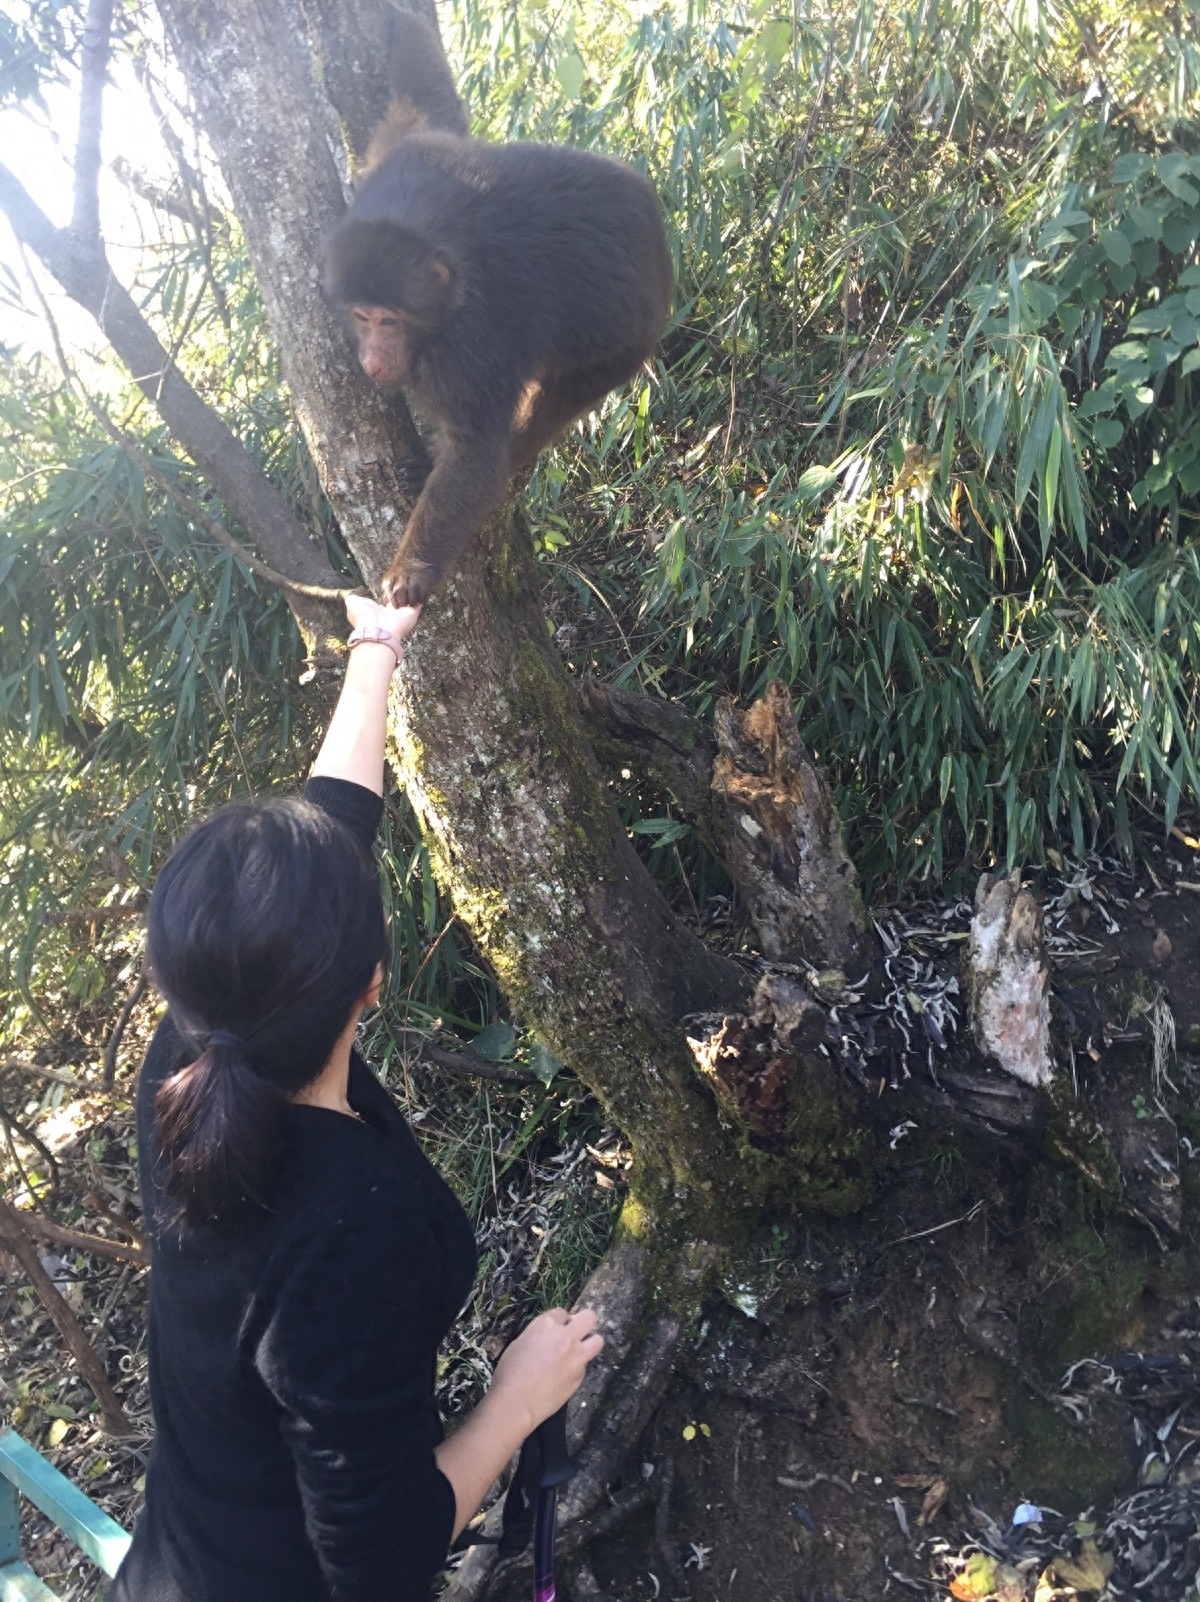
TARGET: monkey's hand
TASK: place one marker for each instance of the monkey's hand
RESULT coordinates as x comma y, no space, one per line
409,582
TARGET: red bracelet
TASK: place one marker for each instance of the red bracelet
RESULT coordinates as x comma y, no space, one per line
376,636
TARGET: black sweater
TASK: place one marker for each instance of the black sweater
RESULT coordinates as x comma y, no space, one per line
292,1365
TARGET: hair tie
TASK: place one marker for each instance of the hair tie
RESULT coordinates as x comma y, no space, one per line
227,1038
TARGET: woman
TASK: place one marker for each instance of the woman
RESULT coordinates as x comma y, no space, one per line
307,1258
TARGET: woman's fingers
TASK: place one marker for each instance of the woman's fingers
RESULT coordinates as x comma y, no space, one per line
364,612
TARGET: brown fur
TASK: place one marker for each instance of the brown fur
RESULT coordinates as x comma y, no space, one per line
508,287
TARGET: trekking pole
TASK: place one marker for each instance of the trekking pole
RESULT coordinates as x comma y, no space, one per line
531,1502
556,1468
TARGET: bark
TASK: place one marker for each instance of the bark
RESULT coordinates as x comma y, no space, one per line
659,739
97,28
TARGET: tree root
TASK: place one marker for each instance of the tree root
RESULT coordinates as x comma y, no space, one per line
613,1436
662,1531
583,1584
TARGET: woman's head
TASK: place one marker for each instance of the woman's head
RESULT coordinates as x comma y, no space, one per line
266,929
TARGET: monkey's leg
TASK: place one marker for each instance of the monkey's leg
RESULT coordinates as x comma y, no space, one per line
467,483
564,397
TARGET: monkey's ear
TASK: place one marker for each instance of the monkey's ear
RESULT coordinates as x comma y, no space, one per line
442,268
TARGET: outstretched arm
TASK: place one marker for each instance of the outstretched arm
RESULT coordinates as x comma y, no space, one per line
353,745
466,485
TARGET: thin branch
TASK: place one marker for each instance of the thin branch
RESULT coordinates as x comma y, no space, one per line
97,32
80,1241
97,1203
456,1062
13,1127
16,1237
84,273
113,1043
785,189
191,508
23,1065
154,194
202,214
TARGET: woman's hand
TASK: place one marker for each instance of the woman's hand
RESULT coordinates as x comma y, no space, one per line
546,1363
542,1368
365,613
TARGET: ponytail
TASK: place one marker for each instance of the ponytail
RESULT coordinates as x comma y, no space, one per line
266,918
220,1131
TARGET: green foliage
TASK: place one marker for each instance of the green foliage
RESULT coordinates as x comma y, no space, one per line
925,441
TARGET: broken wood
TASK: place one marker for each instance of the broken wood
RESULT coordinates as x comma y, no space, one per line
1008,981
787,852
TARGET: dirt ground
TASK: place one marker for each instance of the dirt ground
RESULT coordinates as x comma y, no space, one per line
818,1427
914,1356
919,1350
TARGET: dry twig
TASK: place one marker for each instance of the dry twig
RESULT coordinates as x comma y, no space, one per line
16,1236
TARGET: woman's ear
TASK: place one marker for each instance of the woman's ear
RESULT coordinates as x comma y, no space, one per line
371,993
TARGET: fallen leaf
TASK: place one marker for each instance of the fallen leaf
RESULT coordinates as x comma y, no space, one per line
1089,1572
985,1576
935,1501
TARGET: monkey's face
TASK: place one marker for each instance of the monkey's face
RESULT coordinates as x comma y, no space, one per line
384,344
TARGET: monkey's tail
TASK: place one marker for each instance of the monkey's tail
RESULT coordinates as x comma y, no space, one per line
423,90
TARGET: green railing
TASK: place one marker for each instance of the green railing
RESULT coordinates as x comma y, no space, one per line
25,1472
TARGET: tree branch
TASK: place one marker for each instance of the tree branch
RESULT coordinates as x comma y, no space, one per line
80,1241
16,1237
113,1043
661,740
188,506
97,31
83,271
457,1062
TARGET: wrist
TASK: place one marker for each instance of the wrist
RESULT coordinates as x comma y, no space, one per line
510,1413
369,638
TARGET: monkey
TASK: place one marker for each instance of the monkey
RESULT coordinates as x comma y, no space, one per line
507,288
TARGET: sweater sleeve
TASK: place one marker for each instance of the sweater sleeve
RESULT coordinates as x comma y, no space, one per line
346,1355
353,804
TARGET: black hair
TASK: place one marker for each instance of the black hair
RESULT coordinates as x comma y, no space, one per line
265,928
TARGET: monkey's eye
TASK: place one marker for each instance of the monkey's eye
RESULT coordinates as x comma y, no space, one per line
388,320
360,316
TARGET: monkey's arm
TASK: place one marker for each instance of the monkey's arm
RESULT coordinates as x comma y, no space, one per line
466,485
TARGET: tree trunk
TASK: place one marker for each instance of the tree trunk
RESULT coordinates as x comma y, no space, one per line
489,739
